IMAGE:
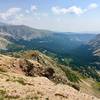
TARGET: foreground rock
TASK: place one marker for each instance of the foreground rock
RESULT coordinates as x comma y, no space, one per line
34,76
19,87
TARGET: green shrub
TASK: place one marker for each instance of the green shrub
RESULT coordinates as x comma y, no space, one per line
20,80
70,75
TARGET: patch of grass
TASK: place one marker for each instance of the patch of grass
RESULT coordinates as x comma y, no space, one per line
1,97
18,79
11,97
5,74
21,81
96,86
75,86
36,98
2,94
2,70
46,98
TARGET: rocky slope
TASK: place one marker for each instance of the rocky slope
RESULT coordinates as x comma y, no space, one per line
18,87
34,64
34,76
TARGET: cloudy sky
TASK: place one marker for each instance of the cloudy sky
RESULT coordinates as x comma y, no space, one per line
56,15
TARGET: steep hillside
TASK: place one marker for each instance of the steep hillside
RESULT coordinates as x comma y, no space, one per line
4,43
33,75
34,63
30,67
19,87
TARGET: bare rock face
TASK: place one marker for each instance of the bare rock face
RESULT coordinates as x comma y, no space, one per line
48,72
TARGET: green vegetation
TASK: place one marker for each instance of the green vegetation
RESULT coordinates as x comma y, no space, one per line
75,86
14,47
12,97
36,98
2,94
46,98
73,77
2,70
18,79
97,86
86,71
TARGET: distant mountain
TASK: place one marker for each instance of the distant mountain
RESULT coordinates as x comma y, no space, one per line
89,53
95,45
82,37
21,32
23,37
15,33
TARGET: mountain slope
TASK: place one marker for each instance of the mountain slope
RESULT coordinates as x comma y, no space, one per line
24,37
29,67
95,45
22,32
86,57
4,43
34,63
14,86
18,33
28,77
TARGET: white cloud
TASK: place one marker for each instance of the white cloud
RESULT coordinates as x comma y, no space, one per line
92,6
73,9
9,13
33,8
56,10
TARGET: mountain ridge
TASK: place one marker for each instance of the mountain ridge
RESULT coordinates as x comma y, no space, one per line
21,35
